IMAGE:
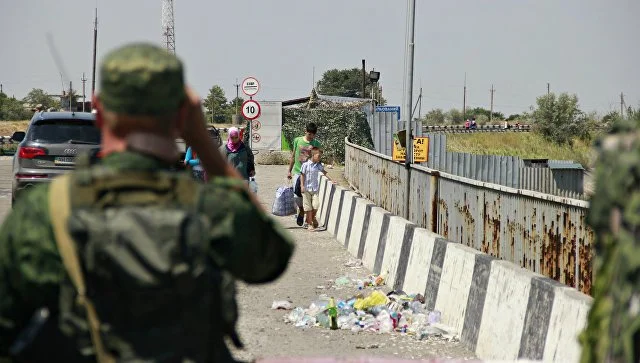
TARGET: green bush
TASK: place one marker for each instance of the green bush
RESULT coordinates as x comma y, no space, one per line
334,124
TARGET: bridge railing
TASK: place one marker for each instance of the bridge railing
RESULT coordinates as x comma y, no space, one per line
543,233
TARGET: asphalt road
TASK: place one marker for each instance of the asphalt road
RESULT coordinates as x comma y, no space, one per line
318,260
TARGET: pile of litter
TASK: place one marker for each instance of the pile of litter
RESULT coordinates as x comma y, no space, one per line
374,312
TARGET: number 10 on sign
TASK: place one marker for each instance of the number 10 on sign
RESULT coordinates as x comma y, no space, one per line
251,109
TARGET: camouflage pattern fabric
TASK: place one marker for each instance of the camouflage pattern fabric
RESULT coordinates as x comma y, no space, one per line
141,79
613,326
242,241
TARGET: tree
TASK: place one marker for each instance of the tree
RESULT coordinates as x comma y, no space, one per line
216,104
12,109
347,83
559,119
235,103
37,96
454,116
434,117
478,111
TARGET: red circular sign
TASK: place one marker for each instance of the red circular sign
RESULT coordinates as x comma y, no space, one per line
251,109
256,137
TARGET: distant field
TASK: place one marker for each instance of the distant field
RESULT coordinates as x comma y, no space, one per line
526,145
9,127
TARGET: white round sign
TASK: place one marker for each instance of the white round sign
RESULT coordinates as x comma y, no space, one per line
250,86
251,109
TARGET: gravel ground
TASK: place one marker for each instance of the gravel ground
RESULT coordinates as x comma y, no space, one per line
318,259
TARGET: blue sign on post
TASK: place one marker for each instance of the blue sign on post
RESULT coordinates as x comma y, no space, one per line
395,109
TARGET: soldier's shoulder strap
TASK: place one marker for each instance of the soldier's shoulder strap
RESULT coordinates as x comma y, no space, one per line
59,211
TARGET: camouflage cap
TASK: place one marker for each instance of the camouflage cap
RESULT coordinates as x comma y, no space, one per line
141,79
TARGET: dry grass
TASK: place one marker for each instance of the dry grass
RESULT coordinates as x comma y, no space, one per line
527,145
9,127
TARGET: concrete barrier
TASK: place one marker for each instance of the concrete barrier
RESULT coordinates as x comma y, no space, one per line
499,310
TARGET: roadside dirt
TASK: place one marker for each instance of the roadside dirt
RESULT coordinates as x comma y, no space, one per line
318,259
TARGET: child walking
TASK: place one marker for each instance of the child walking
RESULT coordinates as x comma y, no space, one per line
310,185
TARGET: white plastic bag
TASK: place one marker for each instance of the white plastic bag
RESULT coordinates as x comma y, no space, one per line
253,185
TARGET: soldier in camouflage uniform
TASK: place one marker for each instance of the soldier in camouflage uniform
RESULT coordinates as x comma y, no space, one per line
613,324
126,260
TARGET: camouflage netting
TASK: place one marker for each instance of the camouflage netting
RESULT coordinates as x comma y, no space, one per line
334,120
613,325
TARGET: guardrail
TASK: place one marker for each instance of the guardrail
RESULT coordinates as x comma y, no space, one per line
543,233
459,129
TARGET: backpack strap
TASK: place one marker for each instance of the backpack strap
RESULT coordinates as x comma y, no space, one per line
59,211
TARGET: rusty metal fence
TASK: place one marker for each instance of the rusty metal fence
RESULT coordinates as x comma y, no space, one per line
544,233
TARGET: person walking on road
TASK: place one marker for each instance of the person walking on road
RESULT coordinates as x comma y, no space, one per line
126,260
238,154
302,146
310,185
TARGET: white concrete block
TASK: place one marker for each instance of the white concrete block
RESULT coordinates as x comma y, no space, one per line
325,189
568,319
357,225
373,237
391,257
335,206
505,307
415,280
455,284
345,216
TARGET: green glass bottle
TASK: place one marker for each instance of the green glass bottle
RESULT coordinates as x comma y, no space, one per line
333,314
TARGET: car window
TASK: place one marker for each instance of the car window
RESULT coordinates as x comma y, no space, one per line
62,131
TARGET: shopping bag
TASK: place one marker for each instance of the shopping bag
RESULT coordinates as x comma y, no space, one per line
284,204
253,185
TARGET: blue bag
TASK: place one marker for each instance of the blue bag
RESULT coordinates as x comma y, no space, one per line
284,204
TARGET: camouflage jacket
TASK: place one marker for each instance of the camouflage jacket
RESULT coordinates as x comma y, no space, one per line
612,333
243,241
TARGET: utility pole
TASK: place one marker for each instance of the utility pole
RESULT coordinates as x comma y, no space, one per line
409,98
621,105
84,96
70,95
491,112
420,103
464,98
237,94
0,87
364,80
548,88
95,41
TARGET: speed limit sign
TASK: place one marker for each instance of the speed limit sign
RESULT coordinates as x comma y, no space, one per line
251,109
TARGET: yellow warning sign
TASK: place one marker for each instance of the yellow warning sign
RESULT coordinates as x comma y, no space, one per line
420,149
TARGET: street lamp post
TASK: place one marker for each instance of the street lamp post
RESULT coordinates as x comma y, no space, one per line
408,98
374,77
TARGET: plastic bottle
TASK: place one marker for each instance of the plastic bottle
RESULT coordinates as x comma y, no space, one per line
333,314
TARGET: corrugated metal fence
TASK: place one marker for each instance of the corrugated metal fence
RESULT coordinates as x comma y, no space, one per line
383,125
561,177
544,233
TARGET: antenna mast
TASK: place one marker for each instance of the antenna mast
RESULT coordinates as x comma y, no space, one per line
168,27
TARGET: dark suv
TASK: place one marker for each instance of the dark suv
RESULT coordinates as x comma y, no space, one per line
50,146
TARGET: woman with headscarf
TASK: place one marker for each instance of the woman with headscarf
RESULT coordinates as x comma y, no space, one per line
238,154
